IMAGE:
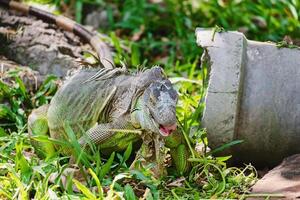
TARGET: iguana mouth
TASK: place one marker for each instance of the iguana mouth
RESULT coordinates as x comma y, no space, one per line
167,130
163,130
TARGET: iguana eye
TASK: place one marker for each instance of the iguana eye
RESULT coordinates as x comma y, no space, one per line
156,93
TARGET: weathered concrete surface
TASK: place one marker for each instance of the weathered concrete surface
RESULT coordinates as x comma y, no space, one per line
253,95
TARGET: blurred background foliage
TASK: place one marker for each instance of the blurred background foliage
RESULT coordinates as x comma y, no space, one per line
162,31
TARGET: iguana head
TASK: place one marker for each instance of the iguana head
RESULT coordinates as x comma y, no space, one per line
155,109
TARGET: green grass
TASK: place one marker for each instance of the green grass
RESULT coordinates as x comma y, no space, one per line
25,175
164,35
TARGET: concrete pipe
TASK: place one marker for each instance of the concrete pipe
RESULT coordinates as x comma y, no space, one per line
253,95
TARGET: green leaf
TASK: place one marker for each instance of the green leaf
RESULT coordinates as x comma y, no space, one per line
4,88
17,180
119,177
79,152
175,80
135,54
106,167
223,159
116,44
45,139
6,113
52,194
48,87
139,175
129,193
149,196
127,153
3,132
22,87
293,10
78,9
111,192
100,190
84,190
22,164
225,146
50,79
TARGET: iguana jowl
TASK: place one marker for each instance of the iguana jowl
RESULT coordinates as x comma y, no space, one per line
101,101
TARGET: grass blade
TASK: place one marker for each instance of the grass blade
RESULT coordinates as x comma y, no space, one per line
225,146
84,190
106,167
100,190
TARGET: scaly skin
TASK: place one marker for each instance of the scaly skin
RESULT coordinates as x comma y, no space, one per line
97,101
114,100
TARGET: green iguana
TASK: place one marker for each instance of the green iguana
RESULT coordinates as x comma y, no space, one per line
98,103
101,102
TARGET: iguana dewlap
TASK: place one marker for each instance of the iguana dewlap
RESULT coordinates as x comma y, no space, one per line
96,102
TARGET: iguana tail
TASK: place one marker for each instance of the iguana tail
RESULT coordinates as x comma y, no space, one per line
67,24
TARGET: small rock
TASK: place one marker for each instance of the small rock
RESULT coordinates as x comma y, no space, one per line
97,19
283,179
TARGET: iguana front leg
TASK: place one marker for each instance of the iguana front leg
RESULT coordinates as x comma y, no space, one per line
38,126
102,132
151,152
